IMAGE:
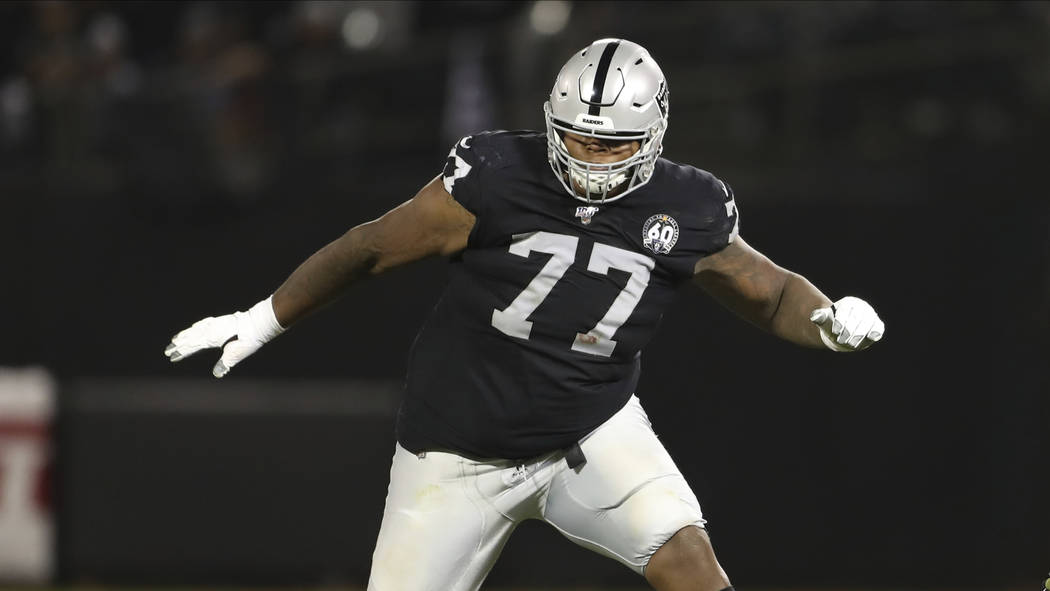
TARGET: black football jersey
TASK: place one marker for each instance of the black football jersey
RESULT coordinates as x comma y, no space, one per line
537,338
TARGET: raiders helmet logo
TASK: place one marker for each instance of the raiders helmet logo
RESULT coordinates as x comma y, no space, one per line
661,99
660,233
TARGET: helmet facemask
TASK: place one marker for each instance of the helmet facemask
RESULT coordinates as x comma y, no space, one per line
602,182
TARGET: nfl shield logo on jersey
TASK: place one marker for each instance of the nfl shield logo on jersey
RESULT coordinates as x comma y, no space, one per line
660,233
586,213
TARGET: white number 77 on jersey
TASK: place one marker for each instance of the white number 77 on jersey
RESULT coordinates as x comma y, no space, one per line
513,320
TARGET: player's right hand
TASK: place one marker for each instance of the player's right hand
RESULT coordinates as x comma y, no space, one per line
239,335
849,324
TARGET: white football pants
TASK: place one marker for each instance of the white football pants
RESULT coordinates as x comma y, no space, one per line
447,517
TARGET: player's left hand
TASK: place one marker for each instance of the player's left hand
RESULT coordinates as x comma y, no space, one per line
850,324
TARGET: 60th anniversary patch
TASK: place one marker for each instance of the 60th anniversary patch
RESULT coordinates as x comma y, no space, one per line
660,233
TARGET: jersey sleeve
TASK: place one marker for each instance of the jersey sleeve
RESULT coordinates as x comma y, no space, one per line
716,220
464,172
727,226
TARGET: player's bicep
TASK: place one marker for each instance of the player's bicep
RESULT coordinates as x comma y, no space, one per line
741,278
431,223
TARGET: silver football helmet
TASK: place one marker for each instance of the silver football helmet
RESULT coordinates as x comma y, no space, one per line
611,90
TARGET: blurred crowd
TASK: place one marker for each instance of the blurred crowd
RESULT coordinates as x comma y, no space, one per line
229,99
106,96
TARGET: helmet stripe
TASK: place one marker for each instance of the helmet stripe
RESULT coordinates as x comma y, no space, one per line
599,78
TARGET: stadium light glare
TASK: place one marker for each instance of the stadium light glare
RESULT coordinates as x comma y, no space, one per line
549,17
362,29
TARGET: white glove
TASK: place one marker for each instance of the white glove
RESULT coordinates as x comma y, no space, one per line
850,324
239,335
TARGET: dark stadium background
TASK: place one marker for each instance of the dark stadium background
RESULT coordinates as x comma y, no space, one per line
161,162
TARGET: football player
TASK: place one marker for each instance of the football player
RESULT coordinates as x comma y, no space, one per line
565,248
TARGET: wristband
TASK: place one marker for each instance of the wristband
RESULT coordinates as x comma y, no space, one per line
264,320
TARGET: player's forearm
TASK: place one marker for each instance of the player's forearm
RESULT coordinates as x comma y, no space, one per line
790,320
763,293
429,224
324,276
